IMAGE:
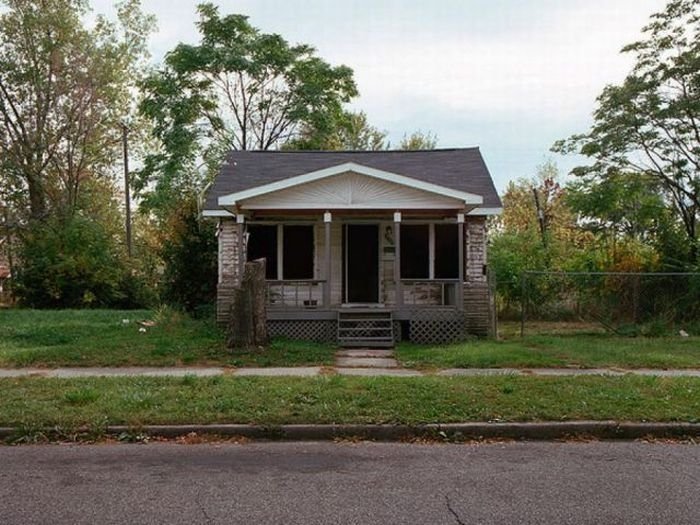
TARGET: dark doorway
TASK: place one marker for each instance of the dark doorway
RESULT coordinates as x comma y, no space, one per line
362,263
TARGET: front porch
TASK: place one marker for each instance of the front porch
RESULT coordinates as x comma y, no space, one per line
320,270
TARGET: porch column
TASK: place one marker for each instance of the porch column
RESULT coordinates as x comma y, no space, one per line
242,252
398,289
327,218
460,250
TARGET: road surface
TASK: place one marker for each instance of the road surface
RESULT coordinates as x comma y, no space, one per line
339,483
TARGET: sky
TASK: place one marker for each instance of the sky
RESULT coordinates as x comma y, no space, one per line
509,76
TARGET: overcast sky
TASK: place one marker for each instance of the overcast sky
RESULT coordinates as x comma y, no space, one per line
510,76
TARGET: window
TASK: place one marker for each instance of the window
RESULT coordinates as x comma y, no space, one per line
292,258
262,244
429,251
298,256
415,252
446,251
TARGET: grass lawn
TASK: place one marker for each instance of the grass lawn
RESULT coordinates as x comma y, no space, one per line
67,403
50,338
574,350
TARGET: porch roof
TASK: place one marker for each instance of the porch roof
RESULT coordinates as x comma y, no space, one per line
455,174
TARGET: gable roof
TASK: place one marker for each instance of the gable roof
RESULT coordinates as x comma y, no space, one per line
461,170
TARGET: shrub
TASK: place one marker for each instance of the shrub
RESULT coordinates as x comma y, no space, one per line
73,263
190,257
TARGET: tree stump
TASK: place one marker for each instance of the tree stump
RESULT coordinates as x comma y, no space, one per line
247,323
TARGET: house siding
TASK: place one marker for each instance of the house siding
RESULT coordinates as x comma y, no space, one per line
478,300
229,267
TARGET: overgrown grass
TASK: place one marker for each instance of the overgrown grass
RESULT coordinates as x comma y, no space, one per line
49,338
94,402
576,350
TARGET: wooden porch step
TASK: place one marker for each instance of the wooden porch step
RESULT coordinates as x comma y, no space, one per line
366,328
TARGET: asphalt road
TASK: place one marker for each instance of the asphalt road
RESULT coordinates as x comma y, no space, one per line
338,483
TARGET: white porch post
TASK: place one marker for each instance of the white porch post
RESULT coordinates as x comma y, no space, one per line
242,251
398,289
460,250
327,218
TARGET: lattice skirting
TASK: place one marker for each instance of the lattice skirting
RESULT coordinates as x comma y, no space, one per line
430,326
304,330
425,327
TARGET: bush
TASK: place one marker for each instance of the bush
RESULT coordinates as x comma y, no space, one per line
190,257
73,263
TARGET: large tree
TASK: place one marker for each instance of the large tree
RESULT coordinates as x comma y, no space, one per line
64,90
650,123
239,88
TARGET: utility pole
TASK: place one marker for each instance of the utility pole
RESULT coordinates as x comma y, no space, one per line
127,196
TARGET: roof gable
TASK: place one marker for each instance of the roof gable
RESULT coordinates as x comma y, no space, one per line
462,170
349,185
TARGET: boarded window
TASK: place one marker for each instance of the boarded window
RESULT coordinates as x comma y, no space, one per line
446,251
262,244
415,254
298,258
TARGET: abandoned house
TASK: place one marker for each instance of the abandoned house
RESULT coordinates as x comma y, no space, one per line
361,247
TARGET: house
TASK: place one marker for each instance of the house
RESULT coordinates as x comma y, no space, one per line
336,229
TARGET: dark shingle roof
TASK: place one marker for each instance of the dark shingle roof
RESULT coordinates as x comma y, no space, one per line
458,169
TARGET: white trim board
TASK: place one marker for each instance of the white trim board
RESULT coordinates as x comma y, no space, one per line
217,213
233,199
486,211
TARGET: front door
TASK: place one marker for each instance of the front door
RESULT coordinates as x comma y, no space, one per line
361,263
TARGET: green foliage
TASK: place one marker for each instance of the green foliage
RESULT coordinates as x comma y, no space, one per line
352,131
346,131
190,257
63,92
520,242
649,126
73,263
239,88
418,140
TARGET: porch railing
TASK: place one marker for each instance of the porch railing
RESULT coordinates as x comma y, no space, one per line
295,294
430,292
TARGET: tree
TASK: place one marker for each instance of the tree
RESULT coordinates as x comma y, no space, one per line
553,219
418,140
63,91
239,88
352,131
526,238
649,125
348,131
619,205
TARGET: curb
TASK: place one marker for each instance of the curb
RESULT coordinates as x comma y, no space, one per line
454,432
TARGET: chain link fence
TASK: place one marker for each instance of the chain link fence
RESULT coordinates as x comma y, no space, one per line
629,304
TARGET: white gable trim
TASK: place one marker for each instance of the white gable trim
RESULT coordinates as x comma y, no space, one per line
233,198
216,213
486,211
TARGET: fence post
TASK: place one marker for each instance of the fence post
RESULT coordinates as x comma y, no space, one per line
522,304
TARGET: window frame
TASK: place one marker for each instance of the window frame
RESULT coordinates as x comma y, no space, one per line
280,247
431,253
